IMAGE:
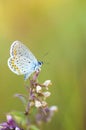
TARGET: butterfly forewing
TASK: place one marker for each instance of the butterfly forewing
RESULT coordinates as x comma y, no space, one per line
19,49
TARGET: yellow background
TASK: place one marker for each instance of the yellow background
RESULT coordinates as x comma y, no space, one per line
56,27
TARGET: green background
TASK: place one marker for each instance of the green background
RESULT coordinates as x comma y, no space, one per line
56,27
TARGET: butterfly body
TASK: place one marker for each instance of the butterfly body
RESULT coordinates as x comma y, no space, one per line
22,61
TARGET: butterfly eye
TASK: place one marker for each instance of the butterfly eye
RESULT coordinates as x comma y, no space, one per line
40,62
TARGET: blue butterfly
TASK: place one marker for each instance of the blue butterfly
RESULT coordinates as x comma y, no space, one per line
22,61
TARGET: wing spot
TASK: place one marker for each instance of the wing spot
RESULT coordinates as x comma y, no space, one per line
14,66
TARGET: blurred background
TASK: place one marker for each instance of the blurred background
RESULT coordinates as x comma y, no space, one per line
56,27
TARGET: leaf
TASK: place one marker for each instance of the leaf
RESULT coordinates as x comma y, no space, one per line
22,98
20,118
33,127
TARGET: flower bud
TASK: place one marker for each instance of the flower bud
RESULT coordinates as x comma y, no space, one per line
38,89
44,104
46,94
17,128
53,108
47,83
31,104
38,104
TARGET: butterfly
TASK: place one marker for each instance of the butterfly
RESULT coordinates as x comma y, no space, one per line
22,61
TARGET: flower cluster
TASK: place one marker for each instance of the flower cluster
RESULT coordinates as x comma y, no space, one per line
10,124
38,95
36,108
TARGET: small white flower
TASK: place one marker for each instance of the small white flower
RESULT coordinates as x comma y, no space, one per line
38,104
38,89
46,94
17,128
47,83
54,108
44,103
9,117
31,104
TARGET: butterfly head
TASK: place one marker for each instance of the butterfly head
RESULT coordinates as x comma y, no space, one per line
38,65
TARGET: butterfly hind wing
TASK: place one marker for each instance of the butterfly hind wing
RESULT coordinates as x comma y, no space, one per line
21,66
26,76
13,67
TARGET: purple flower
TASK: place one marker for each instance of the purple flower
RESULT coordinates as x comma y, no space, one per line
45,114
9,125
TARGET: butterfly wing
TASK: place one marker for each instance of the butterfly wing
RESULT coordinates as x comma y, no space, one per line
19,49
13,67
22,61
21,65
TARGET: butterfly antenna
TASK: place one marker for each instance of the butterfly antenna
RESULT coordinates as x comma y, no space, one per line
44,57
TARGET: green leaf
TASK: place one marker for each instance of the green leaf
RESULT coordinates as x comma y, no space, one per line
22,98
33,127
20,118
